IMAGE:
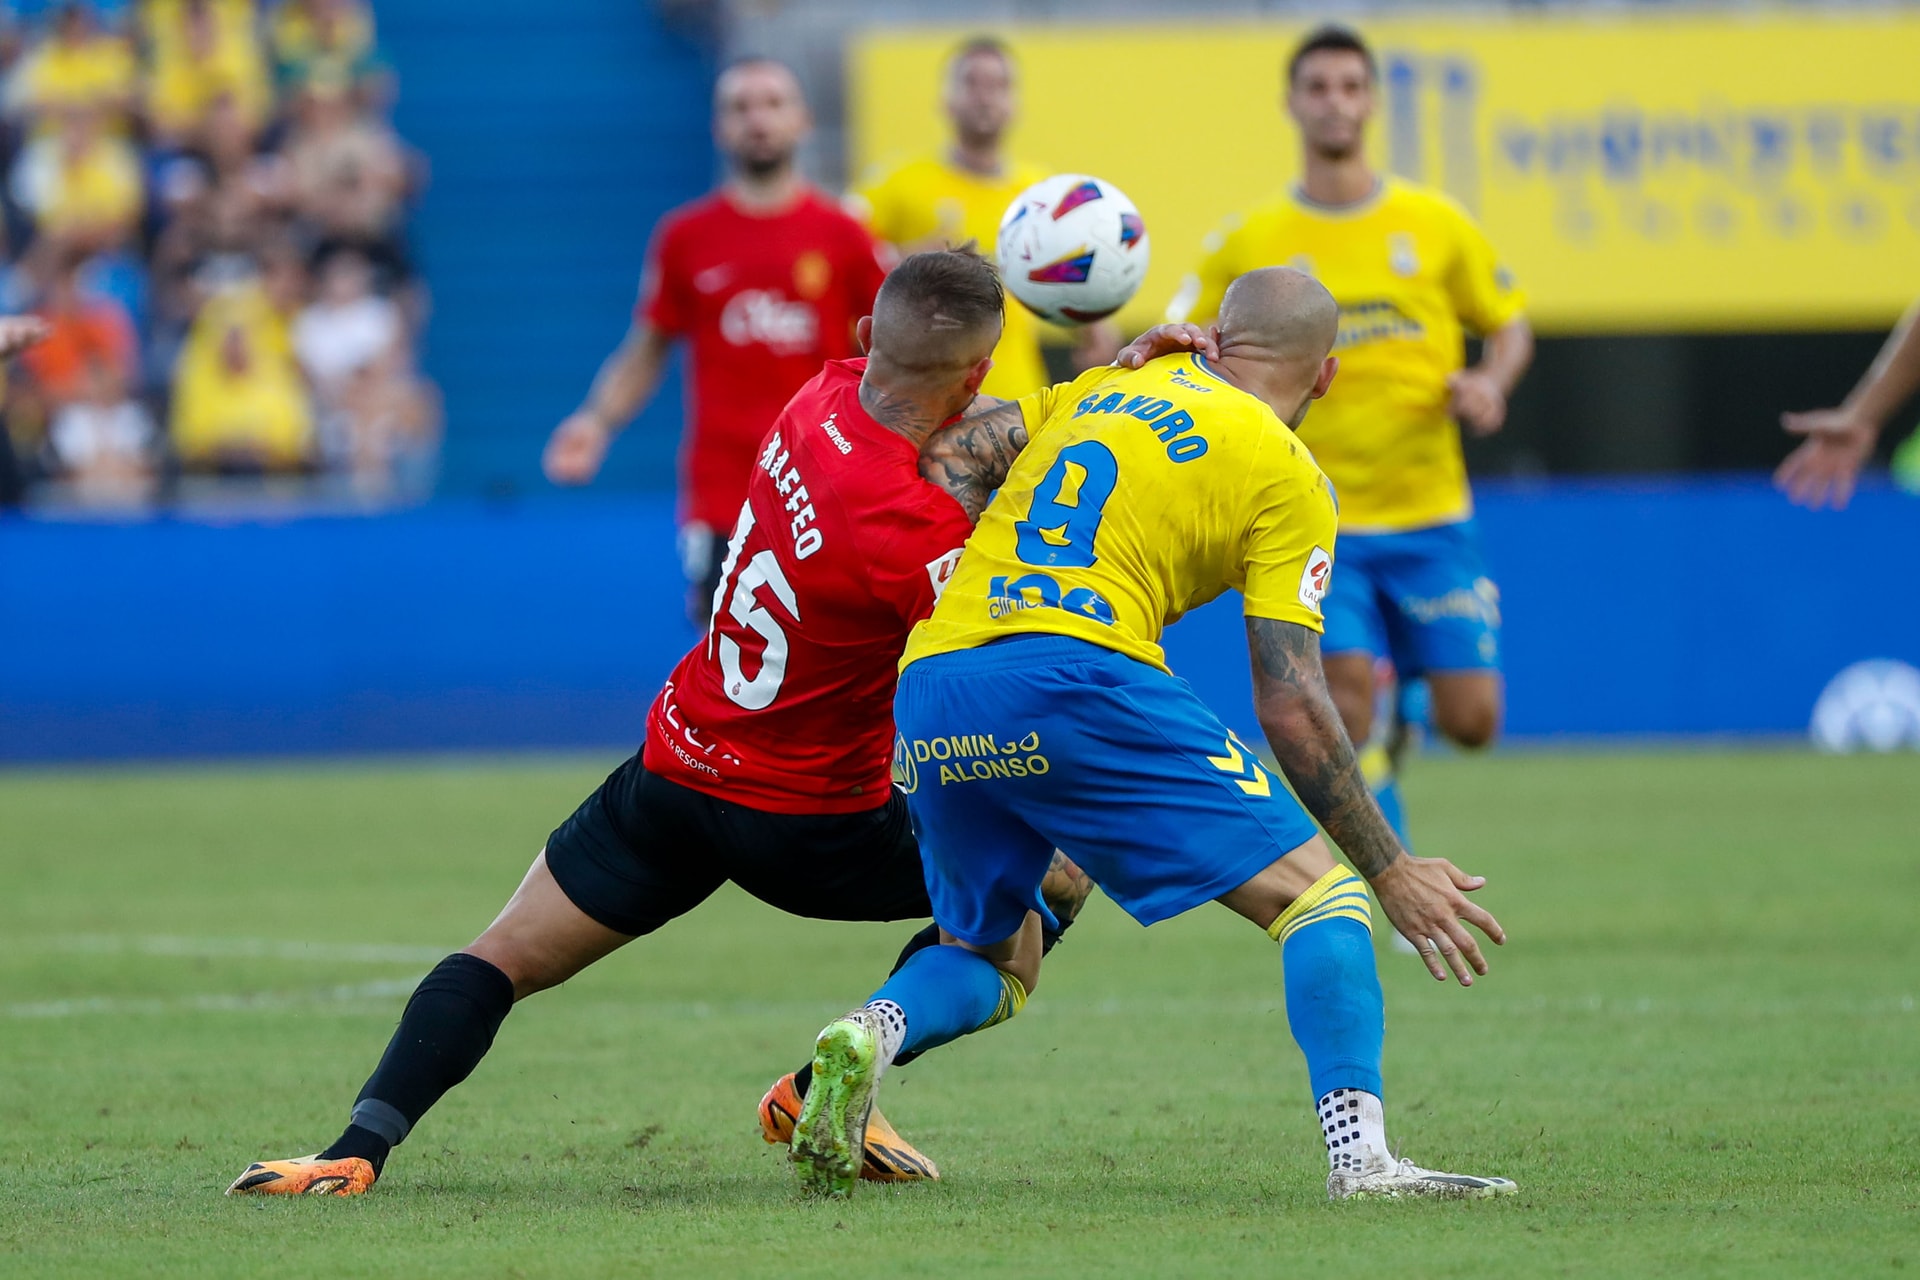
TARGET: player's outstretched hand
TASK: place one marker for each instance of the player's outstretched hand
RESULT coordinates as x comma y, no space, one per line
17,333
1478,401
1822,471
1426,900
576,449
1167,340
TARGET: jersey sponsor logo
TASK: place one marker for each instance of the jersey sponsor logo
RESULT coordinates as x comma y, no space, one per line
807,537
1315,577
763,316
1006,597
1377,320
1481,603
679,731
972,757
840,442
940,572
1175,428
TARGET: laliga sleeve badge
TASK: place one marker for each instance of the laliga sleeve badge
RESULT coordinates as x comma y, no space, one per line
1314,579
940,571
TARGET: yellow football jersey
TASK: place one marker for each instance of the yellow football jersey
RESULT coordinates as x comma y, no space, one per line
1141,494
1409,269
929,203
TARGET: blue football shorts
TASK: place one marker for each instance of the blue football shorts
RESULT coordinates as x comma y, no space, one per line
1033,743
1421,598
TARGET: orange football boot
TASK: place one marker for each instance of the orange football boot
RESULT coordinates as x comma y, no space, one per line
889,1157
305,1176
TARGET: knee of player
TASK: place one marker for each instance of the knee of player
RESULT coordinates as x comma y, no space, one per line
1474,726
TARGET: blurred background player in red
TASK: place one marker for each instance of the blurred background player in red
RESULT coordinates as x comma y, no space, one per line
764,278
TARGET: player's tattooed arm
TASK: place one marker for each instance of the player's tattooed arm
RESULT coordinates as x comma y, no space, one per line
1066,888
1310,742
1423,897
971,458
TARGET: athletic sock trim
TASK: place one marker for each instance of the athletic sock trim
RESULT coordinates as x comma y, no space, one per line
1337,894
1013,998
381,1118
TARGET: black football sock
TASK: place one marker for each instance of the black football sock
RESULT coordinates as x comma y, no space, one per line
365,1143
448,1026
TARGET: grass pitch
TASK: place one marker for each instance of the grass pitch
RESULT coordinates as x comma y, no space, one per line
1700,1054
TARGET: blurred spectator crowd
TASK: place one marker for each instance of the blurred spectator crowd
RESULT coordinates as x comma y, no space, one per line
206,203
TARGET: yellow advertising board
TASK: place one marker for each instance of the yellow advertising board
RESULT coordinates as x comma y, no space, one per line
1707,172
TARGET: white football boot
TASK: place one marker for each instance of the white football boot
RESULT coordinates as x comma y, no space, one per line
1392,1180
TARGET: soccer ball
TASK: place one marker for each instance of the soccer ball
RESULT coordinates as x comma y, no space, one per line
1870,706
1072,248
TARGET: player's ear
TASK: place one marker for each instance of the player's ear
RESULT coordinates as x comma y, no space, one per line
863,334
1328,367
978,375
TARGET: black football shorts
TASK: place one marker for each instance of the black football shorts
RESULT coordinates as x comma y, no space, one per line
642,850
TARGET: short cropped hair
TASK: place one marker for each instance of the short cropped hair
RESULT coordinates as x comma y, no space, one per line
977,45
1331,37
755,60
960,284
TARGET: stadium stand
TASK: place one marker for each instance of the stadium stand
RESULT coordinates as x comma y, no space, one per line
188,184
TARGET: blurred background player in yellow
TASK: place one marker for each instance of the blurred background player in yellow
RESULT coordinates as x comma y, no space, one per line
944,200
1410,271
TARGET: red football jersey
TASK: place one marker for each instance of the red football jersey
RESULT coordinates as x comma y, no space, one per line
762,300
787,705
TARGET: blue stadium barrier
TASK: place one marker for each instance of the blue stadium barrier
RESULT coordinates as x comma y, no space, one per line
558,135
1683,608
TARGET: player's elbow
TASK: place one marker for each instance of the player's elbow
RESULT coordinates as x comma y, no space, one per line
1515,339
1290,716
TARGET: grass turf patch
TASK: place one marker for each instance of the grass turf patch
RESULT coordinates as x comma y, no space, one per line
1697,1056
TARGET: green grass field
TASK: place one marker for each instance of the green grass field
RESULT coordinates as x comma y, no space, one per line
1699,1055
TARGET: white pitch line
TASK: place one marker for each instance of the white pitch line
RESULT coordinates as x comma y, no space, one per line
247,1002
200,948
